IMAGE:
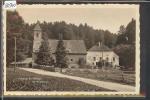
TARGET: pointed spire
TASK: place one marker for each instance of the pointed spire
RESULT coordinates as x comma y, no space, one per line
37,26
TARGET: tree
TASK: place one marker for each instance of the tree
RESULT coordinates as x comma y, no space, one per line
109,39
16,25
44,56
121,39
127,36
61,60
126,55
130,32
122,29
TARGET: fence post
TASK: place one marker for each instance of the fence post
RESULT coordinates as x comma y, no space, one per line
122,76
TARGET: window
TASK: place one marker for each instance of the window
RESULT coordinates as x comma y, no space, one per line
37,34
100,58
71,59
96,63
94,58
113,58
107,58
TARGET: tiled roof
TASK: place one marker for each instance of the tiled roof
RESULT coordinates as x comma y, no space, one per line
72,46
101,47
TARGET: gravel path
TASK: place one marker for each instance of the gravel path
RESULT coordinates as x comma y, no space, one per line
103,84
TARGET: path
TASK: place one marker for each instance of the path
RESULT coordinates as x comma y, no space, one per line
103,84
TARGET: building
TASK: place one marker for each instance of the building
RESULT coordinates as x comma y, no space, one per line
100,52
75,48
24,63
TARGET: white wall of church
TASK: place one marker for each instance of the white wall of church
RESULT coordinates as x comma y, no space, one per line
36,45
95,56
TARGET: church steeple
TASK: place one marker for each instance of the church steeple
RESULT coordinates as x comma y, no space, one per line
37,26
37,32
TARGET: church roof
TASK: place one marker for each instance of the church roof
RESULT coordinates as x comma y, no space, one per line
37,27
72,46
101,47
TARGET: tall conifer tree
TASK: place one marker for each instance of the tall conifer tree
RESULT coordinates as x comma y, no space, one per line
61,60
44,56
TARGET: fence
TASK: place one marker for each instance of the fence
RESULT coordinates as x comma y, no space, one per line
127,77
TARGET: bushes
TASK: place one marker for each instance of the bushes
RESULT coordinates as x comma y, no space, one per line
126,56
47,68
86,66
52,69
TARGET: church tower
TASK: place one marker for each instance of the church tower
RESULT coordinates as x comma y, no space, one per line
37,31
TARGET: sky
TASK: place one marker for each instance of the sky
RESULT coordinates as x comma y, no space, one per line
109,18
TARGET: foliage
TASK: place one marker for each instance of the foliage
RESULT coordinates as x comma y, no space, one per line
126,55
127,35
20,56
130,31
15,24
122,30
82,32
44,56
61,59
15,28
125,46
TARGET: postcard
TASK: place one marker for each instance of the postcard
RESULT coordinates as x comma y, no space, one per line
71,50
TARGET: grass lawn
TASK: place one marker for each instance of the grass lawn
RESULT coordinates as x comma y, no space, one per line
108,75
26,81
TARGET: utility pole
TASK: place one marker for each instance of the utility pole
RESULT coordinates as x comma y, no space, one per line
102,41
15,48
15,55
60,39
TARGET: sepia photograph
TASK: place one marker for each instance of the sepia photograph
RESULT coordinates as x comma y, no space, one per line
80,49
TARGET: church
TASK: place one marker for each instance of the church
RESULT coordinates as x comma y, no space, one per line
75,49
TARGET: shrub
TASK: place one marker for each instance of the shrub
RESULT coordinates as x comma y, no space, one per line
47,68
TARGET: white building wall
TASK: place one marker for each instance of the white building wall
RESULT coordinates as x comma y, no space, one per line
110,55
36,45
